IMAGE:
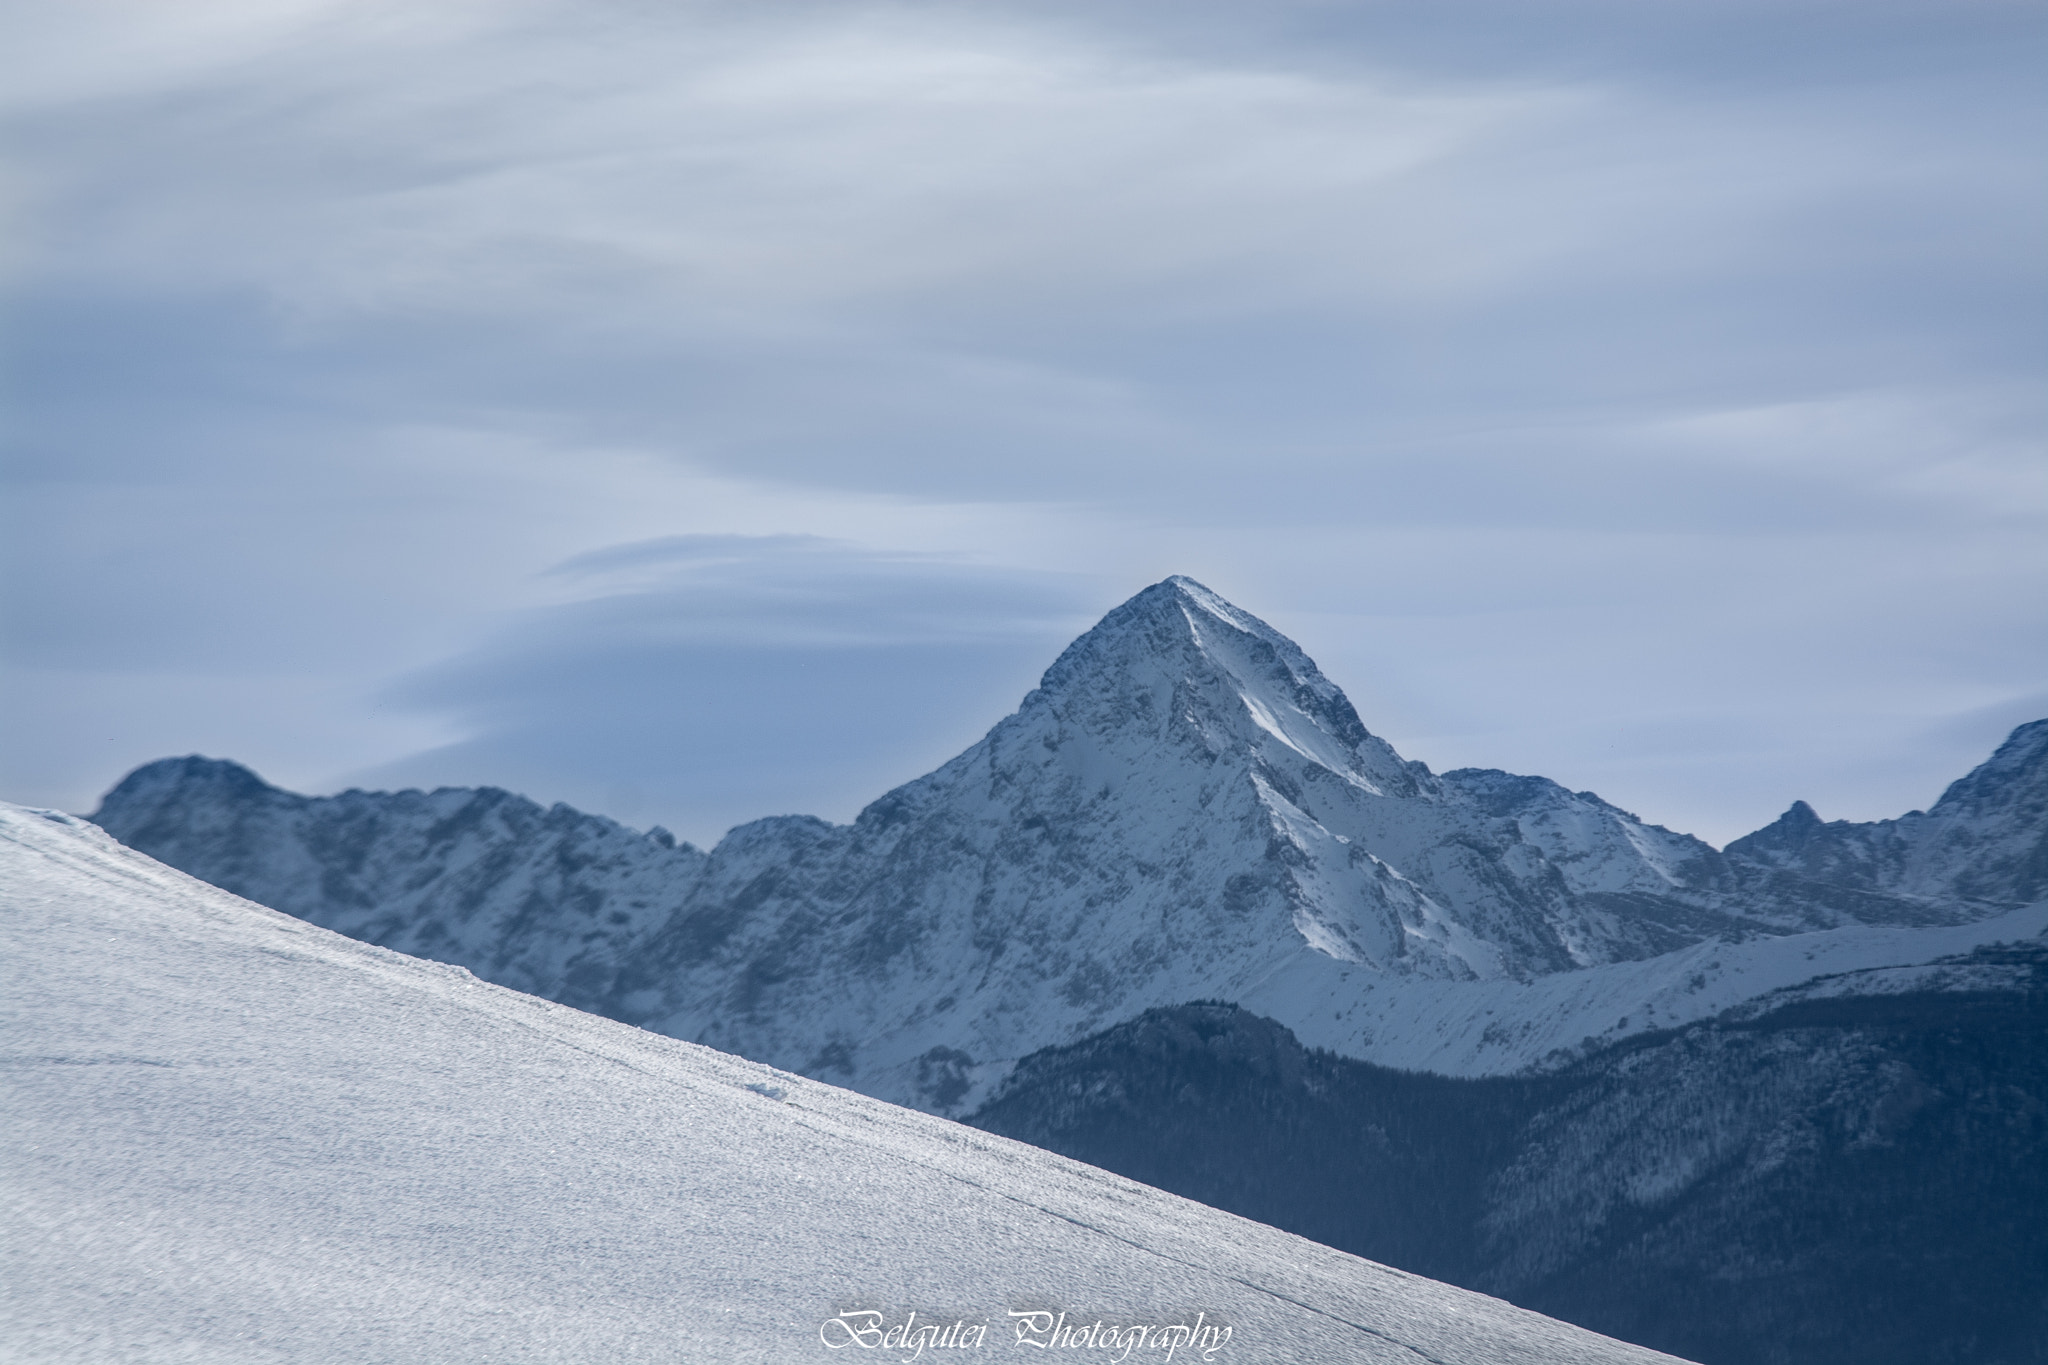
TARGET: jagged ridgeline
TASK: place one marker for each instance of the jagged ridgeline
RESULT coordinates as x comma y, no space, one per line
1184,809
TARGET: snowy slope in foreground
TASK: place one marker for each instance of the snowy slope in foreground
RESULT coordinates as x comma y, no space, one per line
234,1136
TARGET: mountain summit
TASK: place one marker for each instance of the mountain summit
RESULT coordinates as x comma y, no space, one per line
1178,654
1184,809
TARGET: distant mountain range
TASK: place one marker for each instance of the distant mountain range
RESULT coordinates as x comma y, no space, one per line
1184,809
1187,810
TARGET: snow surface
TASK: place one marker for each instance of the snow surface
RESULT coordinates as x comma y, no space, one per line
230,1135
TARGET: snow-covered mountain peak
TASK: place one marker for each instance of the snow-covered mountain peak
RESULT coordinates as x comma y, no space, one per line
1180,655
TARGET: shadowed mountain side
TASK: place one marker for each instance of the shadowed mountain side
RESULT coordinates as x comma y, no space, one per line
1843,1180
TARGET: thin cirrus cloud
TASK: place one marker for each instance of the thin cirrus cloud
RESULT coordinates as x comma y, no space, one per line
776,165
1510,357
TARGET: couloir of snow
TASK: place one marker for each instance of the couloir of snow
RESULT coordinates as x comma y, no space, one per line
232,1136
1184,809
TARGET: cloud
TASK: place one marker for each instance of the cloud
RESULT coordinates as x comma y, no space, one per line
703,680
1000,254
1465,336
759,167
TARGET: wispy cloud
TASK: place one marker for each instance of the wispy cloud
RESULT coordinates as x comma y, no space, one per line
698,679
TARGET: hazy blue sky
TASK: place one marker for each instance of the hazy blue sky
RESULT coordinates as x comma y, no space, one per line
702,411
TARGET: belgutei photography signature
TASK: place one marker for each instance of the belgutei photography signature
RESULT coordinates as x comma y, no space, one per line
912,1334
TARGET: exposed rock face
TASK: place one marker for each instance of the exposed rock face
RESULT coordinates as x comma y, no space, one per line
1184,809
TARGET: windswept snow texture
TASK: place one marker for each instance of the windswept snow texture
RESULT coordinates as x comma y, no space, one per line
1184,809
233,1136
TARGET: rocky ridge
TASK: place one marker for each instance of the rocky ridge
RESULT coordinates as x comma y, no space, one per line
1986,839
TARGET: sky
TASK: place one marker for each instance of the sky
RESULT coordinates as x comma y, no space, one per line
702,411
